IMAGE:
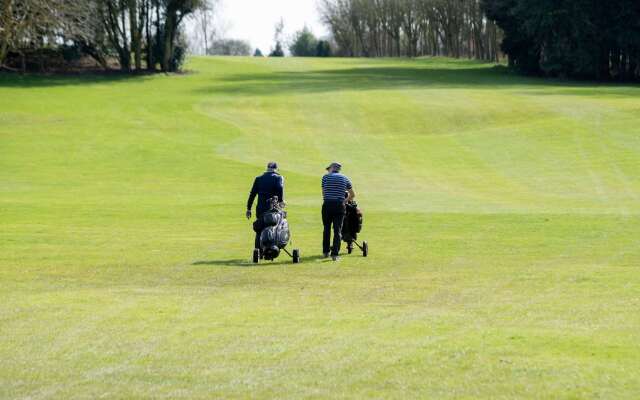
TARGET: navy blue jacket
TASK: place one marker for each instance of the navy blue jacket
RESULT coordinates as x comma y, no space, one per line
265,187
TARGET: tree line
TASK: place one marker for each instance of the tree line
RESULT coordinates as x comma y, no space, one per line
139,34
590,39
383,28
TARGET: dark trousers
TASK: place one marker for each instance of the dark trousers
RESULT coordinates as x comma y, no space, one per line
332,214
257,241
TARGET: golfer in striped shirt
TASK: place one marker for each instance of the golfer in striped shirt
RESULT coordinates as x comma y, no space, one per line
334,187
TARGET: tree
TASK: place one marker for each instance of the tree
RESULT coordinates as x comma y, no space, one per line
277,37
7,31
410,25
334,15
229,47
278,51
136,26
323,49
304,44
148,11
114,19
583,39
30,25
374,28
204,21
257,53
48,32
175,11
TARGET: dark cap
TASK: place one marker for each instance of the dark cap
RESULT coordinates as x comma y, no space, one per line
336,165
272,165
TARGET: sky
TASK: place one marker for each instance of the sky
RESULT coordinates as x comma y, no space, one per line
254,20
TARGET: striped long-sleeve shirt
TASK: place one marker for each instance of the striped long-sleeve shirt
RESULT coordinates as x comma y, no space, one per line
334,186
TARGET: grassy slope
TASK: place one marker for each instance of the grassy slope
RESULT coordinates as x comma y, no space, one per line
502,215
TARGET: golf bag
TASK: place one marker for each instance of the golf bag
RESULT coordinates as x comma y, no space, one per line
274,233
351,226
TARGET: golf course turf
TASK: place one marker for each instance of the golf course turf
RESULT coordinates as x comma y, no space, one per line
502,215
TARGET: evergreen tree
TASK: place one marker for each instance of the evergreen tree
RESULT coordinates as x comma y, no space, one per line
588,39
304,44
323,49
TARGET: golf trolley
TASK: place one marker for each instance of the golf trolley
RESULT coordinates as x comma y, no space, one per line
351,226
274,234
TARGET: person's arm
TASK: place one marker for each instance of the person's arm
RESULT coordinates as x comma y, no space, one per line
252,196
322,185
350,193
280,189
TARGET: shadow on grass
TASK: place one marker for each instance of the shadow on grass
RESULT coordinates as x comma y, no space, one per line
412,76
14,80
236,262
239,262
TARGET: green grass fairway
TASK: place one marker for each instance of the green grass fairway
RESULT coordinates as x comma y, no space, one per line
502,213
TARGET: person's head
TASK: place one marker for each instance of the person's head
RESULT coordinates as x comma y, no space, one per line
272,166
334,167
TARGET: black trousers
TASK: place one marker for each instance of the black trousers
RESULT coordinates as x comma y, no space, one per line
332,214
257,241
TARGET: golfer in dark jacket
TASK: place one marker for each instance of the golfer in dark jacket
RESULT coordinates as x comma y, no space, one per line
265,186
334,187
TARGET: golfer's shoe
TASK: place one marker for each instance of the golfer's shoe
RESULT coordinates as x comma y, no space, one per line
325,255
335,258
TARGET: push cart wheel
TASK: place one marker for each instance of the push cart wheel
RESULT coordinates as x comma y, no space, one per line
296,256
349,248
256,256
365,249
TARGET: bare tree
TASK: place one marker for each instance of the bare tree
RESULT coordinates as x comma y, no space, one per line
413,28
136,25
204,19
334,16
278,38
53,30
113,14
14,20
29,24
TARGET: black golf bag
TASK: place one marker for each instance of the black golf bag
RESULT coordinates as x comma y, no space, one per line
274,234
351,226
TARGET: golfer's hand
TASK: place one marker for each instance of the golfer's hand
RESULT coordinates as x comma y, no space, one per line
248,214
